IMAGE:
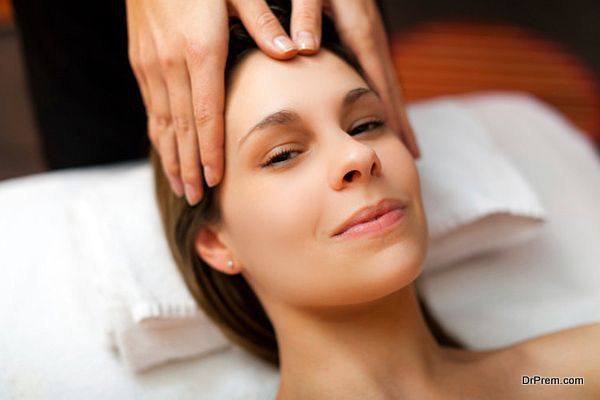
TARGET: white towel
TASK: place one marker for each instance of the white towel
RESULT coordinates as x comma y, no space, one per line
149,315
551,282
476,200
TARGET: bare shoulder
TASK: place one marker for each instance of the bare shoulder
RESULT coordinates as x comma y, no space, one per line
569,353
579,345
544,367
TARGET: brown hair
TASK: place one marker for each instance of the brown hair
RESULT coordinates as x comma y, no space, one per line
228,300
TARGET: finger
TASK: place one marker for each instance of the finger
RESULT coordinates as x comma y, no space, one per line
207,79
135,42
181,153
136,66
397,101
138,73
153,130
180,99
144,91
133,53
175,71
410,135
170,161
189,160
159,113
306,25
265,29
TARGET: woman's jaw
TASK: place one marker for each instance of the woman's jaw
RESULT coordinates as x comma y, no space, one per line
278,219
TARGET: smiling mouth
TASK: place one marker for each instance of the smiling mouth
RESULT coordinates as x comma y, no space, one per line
378,225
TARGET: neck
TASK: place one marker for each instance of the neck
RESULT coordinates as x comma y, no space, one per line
374,350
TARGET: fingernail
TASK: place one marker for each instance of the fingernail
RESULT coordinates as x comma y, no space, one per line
191,193
284,43
176,185
306,41
210,176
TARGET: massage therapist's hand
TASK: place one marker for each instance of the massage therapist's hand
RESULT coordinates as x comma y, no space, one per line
178,49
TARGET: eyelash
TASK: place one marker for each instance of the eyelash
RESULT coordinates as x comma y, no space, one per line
270,162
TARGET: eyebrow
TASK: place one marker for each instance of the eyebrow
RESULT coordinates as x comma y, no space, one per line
286,117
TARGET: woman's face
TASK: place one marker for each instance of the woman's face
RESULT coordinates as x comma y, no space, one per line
278,218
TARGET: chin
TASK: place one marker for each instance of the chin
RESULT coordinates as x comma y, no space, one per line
384,277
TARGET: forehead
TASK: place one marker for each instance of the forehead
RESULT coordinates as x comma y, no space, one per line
261,85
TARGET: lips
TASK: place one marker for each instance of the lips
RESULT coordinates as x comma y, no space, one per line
369,213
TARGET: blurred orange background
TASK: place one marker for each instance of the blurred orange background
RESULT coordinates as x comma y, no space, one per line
5,11
461,56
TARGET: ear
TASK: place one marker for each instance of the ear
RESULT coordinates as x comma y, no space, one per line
212,249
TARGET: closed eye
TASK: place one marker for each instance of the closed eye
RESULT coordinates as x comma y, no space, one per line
281,156
367,126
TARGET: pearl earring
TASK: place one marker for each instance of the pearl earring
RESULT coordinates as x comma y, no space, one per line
230,264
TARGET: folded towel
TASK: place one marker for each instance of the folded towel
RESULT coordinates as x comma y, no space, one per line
149,315
475,199
552,281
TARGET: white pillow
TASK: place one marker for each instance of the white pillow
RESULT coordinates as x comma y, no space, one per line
147,304
551,282
475,199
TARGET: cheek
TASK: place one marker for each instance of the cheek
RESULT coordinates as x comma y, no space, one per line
400,168
272,222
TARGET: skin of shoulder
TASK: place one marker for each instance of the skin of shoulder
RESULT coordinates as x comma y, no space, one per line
499,373
572,352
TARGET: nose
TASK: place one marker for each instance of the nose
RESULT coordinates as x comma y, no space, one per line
353,162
